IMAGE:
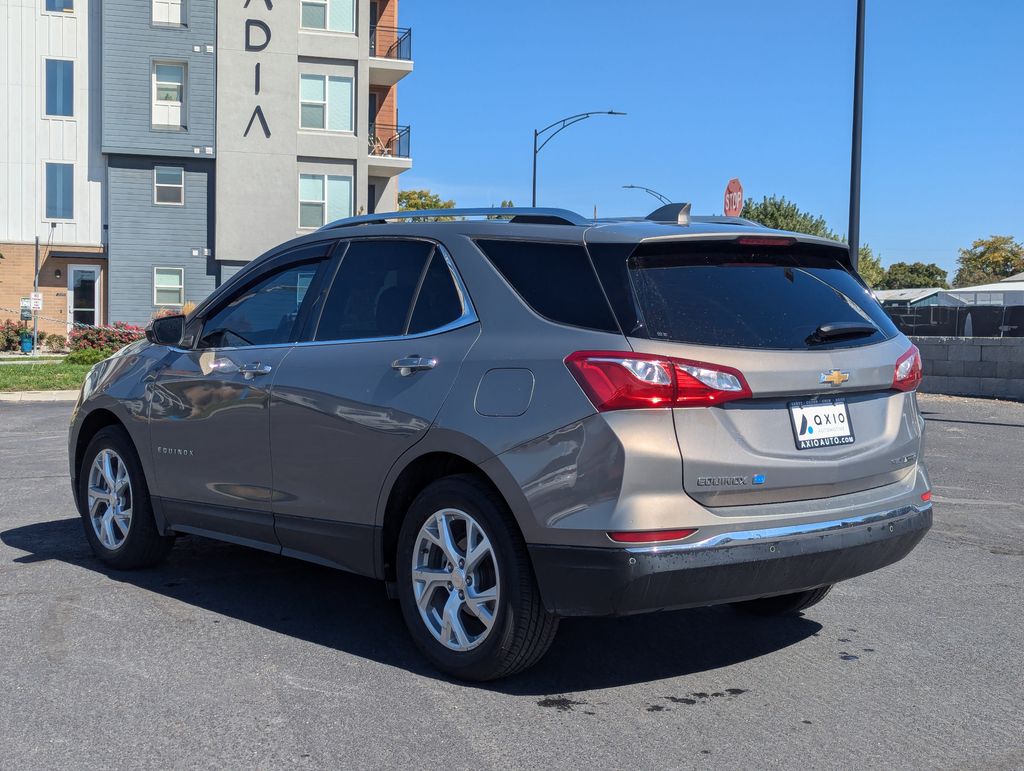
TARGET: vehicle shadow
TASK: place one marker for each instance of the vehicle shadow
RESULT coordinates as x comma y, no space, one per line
351,614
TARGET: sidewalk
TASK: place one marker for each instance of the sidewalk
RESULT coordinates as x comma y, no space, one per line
38,396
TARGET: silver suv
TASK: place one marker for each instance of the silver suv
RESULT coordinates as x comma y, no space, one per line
522,417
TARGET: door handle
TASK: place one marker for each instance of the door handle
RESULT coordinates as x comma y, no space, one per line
254,368
411,364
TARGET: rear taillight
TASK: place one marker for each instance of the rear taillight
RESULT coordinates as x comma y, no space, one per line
650,536
908,373
620,380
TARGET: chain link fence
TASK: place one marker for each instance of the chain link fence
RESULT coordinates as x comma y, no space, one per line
958,321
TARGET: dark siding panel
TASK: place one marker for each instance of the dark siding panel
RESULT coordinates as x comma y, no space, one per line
130,44
143,235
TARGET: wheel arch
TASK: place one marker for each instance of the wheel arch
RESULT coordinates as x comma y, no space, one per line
91,425
414,472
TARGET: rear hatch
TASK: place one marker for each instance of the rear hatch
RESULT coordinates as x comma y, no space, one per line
806,354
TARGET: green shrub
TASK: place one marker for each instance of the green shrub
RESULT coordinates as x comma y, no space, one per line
88,356
113,337
10,335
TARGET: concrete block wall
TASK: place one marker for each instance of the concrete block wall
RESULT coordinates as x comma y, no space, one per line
973,366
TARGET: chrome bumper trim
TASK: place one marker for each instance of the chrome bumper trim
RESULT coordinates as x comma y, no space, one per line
739,537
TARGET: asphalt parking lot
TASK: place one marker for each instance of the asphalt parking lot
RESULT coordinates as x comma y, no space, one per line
225,657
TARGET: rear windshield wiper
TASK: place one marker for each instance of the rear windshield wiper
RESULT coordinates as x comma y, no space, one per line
840,330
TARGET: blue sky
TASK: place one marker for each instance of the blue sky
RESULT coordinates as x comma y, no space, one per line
749,88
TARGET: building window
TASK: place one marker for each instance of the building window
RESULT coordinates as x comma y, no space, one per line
168,286
60,88
169,95
323,198
169,185
60,191
60,6
325,103
169,12
333,15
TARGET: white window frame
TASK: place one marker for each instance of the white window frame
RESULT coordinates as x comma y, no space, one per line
182,13
46,84
327,18
156,185
327,15
43,187
48,12
326,103
180,104
180,287
323,202
326,202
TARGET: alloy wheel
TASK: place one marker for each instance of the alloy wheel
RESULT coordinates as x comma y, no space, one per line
110,499
455,579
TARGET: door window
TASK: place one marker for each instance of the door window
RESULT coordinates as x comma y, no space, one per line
268,312
83,289
438,302
373,292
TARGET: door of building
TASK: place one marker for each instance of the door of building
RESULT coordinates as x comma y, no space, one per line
83,295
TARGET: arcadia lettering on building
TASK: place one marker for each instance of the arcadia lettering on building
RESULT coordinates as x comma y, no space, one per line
253,44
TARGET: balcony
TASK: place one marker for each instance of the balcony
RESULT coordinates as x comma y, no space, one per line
390,54
388,149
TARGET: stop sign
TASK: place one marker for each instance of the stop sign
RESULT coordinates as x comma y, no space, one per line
733,198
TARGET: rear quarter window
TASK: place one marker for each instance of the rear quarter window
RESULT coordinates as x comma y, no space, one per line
556,280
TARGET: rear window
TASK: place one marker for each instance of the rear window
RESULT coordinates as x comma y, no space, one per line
556,280
743,297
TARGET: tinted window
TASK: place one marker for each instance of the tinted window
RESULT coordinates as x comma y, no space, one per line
438,302
373,290
556,280
736,297
265,313
60,87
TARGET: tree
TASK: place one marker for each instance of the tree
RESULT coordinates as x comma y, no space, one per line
776,212
413,200
870,267
988,260
914,275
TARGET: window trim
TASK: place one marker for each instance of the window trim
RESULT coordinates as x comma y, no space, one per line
183,24
47,115
46,217
182,125
157,185
326,103
327,18
181,286
326,199
47,12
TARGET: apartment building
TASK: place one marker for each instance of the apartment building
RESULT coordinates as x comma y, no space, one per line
52,174
219,128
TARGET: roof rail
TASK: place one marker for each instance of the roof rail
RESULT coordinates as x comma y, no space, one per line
514,214
676,213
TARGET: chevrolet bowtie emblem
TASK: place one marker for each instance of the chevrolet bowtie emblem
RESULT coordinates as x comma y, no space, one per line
834,378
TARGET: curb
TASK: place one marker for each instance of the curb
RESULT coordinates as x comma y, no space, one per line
39,396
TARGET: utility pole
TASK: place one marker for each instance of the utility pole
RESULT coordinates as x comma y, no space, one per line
858,124
35,313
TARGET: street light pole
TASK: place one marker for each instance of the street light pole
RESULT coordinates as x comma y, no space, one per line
562,124
858,124
663,198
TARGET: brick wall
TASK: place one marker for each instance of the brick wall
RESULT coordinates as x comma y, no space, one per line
973,366
16,271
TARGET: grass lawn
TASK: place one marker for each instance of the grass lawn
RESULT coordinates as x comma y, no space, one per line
42,377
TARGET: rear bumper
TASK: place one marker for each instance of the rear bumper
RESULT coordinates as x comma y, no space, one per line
728,567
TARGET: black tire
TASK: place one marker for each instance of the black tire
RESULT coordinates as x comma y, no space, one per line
783,604
142,546
522,629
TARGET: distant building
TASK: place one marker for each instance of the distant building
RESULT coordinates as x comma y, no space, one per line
1009,291
915,297
158,145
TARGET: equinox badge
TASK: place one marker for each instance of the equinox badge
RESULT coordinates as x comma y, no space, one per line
834,378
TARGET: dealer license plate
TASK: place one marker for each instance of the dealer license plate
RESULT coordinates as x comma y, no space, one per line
821,424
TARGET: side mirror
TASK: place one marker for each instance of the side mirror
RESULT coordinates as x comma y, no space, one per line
167,330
